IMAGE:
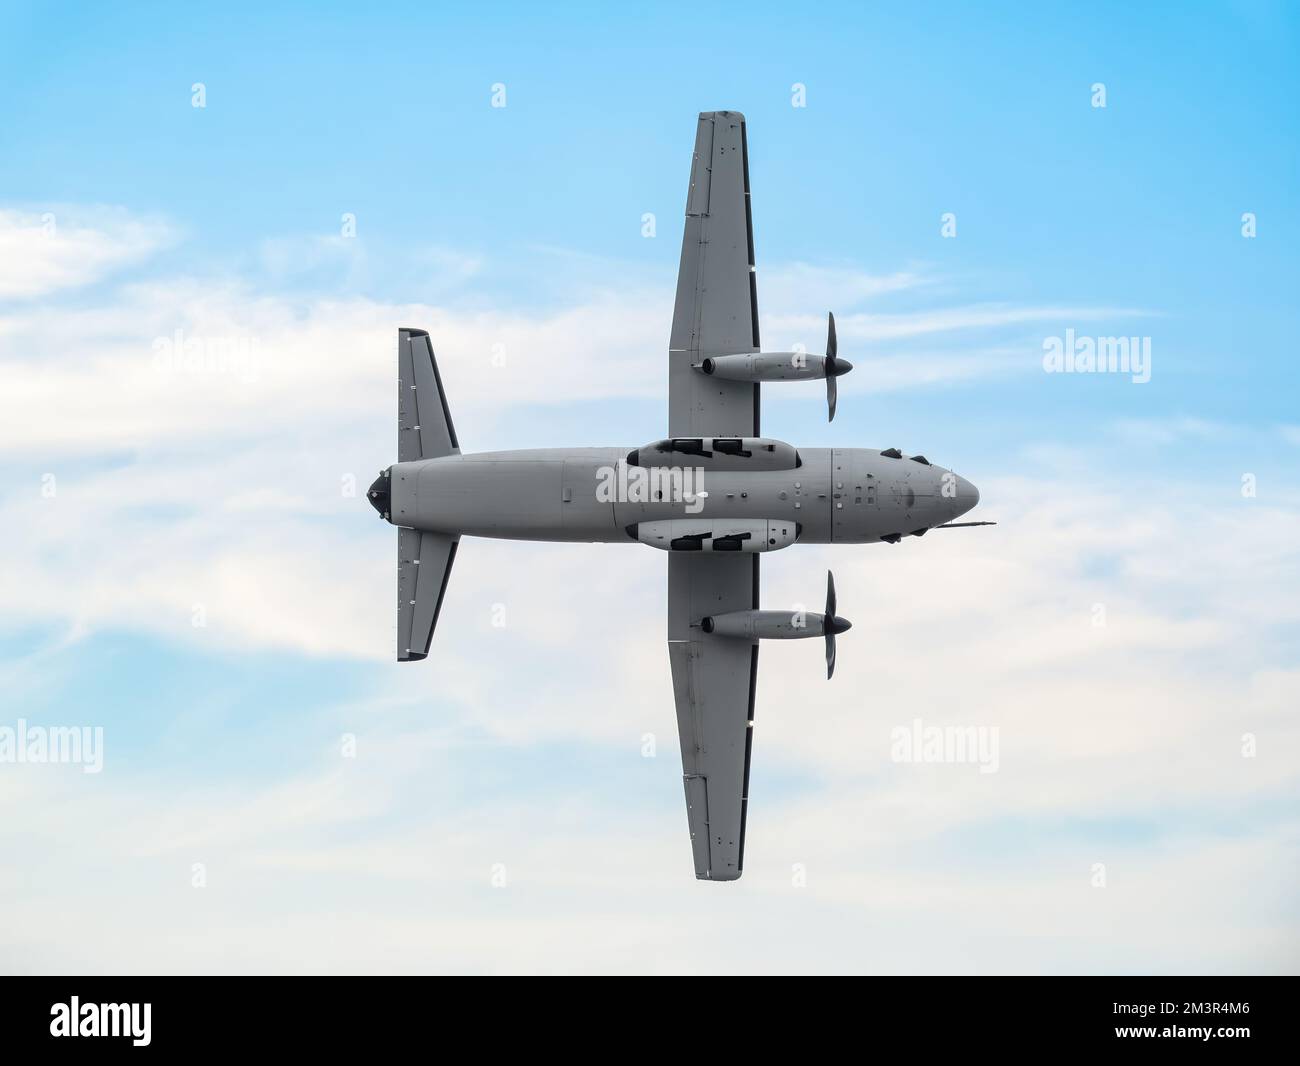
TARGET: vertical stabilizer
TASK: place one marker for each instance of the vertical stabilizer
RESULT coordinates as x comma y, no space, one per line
423,567
424,429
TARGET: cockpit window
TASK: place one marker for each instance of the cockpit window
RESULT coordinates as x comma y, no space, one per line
686,446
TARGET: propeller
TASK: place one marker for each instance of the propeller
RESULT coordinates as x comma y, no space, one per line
834,368
831,624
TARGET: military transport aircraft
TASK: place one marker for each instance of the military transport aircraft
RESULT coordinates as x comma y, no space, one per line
714,495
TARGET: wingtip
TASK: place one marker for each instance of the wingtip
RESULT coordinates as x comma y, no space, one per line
723,113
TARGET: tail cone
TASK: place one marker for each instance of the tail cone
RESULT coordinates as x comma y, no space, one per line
379,494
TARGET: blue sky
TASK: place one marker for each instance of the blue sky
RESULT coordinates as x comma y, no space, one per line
315,114
518,231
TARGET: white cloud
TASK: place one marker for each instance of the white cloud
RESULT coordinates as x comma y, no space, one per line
62,248
184,358
865,326
1120,743
181,359
799,287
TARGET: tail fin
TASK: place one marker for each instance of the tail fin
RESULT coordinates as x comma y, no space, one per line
424,429
423,567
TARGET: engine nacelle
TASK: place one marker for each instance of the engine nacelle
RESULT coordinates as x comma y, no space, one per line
718,453
717,535
766,625
764,366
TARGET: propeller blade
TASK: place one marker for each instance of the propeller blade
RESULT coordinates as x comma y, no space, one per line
832,624
835,367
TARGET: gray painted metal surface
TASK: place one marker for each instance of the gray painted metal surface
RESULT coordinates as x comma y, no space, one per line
716,312
714,496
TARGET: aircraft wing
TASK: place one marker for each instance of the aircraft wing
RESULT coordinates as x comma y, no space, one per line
713,685
716,312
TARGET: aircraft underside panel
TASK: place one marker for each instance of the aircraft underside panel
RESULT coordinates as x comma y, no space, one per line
716,311
424,426
713,687
424,562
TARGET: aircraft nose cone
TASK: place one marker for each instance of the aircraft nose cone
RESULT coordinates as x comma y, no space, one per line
967,496
842,367
840,625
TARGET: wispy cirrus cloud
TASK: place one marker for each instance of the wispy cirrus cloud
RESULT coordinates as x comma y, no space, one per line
67,247
902,326
211,354
793,288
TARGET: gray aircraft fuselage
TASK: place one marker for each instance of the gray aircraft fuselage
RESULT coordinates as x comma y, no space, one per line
833,495
712,503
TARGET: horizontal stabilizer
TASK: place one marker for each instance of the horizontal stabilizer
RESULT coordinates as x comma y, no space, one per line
423,567
424,429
